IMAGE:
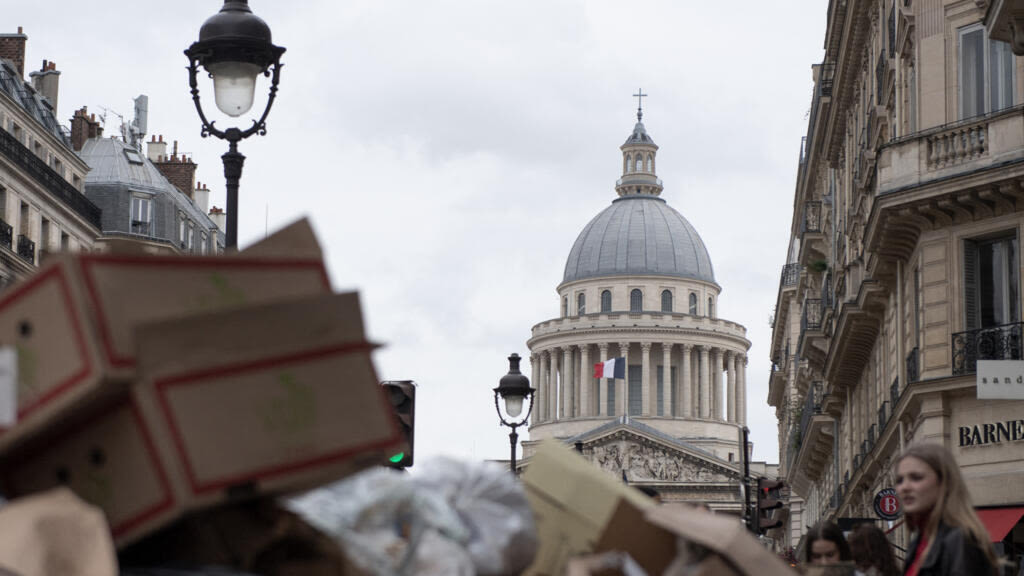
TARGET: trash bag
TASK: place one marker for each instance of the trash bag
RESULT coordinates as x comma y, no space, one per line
451,518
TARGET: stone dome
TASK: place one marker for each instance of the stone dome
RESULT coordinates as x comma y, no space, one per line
639,236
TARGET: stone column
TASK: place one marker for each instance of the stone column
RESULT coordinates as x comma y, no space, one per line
545,389
730,394
586,381
602,385
741,392
622,386
535,417
716,383
646,385
686,382
553,384
666,379
567,382
705,385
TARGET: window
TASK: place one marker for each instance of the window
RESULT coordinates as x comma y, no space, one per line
711,307
917,307
629,162
58,166
693,304
581,304
991,280
76,181
635,374
3,203
610,397
23,224
65,241
191,241
565,307
44,234
133,156
606,301
181,228
986,73
142,216
666,301
639,163
650,163
204,243
636,300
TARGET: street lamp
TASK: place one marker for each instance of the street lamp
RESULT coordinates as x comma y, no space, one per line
514,389
234,47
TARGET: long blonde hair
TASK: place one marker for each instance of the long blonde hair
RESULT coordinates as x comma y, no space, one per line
953,507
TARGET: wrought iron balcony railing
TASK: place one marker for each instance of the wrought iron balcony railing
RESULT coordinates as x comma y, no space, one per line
26,249
880,70
812,217
48,178
811,319
6,235
790,274
913,365
994,343
883,416
894,393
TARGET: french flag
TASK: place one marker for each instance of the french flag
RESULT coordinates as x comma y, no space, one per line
612,368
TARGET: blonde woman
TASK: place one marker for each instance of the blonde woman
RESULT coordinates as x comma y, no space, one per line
949,539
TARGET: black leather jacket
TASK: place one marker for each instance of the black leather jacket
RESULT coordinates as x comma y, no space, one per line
952,553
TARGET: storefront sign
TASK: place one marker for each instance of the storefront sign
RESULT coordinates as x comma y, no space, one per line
992,433
887,505
1001,379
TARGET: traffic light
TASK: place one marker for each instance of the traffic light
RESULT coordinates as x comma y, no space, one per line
768,499
402,395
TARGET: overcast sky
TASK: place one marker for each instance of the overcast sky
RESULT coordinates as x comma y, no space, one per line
450,151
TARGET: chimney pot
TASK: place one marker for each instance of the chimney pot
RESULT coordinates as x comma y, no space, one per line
19,30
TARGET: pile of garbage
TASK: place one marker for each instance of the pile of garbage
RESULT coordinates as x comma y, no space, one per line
169,416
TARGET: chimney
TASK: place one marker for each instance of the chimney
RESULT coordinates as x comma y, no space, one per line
12,47
202,196
218,217
46,81
156,150
84,126
179,171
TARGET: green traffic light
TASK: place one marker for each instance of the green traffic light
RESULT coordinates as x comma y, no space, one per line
397,458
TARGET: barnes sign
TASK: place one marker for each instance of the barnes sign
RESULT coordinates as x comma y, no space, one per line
992,433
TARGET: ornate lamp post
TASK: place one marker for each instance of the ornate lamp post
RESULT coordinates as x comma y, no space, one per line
514,389
234,47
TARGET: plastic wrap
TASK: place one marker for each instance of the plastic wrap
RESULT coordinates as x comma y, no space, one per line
450,518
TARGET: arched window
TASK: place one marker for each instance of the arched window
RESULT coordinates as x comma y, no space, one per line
581,304
693,304
666,301
639,162
565,307
711,308
629,162
606,301
650,163
636,300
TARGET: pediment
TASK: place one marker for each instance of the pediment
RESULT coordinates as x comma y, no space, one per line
629,453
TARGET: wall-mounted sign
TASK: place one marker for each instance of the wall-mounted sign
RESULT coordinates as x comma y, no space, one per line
992,433
887,505
1001,379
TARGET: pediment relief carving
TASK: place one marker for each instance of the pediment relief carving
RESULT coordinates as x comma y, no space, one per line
643,459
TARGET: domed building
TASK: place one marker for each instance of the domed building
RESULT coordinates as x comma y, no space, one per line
639,285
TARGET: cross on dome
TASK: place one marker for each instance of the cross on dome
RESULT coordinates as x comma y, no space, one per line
639,104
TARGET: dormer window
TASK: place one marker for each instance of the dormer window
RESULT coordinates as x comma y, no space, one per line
133,156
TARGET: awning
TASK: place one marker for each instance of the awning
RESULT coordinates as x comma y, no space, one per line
999,521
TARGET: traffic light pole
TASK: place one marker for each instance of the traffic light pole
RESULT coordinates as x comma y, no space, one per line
746,481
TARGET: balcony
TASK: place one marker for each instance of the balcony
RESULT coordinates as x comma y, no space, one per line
6,235
913,365
790,274
811,319
811,445
883,416
26,249
995,343
48,178
894,394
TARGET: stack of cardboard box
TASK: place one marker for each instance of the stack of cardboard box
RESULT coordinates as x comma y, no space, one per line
152,386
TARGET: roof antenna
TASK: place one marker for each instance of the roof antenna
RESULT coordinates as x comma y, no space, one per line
639,104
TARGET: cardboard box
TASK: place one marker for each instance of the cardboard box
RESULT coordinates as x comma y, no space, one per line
267,399
72,323
573,503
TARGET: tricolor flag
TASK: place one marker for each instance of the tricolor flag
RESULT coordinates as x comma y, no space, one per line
613,368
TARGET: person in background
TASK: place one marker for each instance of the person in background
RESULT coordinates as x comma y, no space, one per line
826,545
872,552
949,538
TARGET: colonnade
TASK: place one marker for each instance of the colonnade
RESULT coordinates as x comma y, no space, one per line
566,387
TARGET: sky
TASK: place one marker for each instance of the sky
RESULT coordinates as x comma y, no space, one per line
449,152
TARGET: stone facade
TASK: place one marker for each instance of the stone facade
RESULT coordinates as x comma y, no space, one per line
639,285
904,265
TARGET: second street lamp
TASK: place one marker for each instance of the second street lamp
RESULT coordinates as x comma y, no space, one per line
514,389
234,47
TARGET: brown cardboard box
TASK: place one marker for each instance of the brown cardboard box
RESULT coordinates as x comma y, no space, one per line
650,546
266,399
724,535
72,323
573,502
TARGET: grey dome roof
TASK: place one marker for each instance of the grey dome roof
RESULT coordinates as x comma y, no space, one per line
639,136
639,235
112,161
